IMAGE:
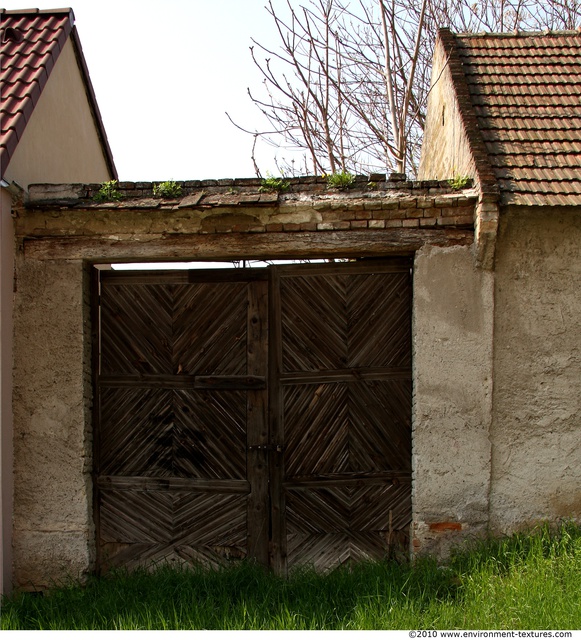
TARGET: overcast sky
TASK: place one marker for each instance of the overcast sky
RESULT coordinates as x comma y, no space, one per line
165,73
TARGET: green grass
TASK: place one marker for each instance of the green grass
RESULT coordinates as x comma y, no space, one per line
523,582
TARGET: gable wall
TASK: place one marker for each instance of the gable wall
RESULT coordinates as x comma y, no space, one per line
446,152
60,142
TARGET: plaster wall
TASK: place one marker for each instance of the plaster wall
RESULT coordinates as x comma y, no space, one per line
452,356
6,296
536,457
60,142
53,496
446,152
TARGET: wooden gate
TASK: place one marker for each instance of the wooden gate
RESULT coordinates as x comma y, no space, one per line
254,413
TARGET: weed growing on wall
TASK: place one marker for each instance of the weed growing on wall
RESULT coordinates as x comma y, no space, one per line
341,180
272,184
167,189
108,192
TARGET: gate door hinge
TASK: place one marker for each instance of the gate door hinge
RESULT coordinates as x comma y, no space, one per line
265,447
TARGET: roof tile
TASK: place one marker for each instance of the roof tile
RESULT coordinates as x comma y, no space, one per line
526,93
31,42
26,63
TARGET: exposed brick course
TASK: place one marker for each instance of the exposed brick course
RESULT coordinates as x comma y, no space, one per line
308,206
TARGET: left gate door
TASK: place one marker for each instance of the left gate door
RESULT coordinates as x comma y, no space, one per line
181,417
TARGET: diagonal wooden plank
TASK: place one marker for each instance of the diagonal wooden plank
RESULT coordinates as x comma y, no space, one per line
313,323
318,510
379,320
136,329
210,434
135,516
320,551
205,519
209,328
380,425
135,435
316,429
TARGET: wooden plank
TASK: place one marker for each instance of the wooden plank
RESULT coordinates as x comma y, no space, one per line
347,479
160,381
257,424
231,382
115,277
251,246
153,381
346,375
277,495
367,266
145,483
95,292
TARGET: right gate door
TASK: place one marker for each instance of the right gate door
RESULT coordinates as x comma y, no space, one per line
340,408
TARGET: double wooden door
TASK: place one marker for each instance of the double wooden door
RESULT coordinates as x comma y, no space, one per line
261,413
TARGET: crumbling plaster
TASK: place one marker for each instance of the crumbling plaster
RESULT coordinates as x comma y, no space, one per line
52,440
536,429
452,365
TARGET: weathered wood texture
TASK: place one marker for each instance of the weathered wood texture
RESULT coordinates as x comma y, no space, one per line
165,246
346,470
174,417
254,413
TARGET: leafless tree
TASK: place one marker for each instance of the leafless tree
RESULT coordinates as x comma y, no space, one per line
348,84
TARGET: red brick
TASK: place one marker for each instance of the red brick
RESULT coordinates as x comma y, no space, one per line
445,526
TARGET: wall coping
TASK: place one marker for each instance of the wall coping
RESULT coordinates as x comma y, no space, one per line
374,217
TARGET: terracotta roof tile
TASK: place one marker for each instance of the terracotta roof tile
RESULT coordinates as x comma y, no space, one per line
30,43
525,91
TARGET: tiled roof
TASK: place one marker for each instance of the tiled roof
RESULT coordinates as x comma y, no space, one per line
525,92
31,42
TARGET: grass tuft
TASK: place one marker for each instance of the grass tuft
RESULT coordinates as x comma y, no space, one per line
526,581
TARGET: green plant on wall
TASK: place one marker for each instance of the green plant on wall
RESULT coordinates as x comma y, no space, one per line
108,192
459,182
270,184
340,180
167,189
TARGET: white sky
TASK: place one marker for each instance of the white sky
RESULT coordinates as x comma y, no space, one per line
165,73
